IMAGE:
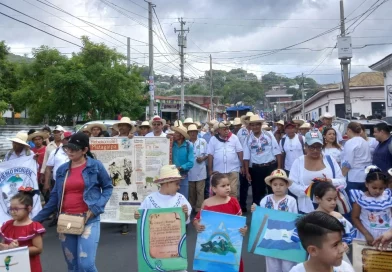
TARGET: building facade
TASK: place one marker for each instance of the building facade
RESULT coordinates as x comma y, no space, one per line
385,66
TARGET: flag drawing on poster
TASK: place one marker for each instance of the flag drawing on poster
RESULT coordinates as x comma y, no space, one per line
369,259
133,165
271,235
14,174
15,260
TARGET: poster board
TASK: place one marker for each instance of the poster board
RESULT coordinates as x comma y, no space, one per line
161,240
15,260
368,259
270,235
219,246
133,165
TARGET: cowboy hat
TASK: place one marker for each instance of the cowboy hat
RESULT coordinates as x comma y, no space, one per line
168,173
177,123
280,122
188,121
299,121
255,119
280,174
145,124
192,127
221,124
212,122
265,126
237,121
305,125
157,118
246,117
93,125
327,115
42,134
198,124
125,120
182,130
20,138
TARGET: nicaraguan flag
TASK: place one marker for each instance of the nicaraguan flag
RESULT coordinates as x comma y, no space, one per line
278,236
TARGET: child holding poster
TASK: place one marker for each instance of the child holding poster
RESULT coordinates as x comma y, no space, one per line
280,201
221,202
21,230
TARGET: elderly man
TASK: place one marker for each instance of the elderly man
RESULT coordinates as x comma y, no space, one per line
38,139
96,129
382,156
58,132
157,124
20,147
124,127
225,155
327,119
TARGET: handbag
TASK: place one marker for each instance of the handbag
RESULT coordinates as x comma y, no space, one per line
69,223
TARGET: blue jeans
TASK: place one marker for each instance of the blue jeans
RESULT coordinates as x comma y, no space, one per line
184,186
80,250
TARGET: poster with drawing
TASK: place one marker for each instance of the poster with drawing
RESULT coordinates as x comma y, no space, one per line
15,260
133,165
368,259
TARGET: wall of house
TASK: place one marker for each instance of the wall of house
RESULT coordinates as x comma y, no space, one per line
388,92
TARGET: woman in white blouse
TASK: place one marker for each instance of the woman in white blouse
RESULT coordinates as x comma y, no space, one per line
311,166
331,146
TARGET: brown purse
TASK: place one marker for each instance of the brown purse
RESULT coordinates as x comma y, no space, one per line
69,223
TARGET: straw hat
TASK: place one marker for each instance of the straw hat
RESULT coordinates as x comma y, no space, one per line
305,125
192,127
237,121
255,119
212,122
177,123
42,134
125,120
20,138
93,125
280,122
221,124
245,118
157,118
327,115
168,173
145,124
299,121
198,124
182,130
278,173
265,126
188,121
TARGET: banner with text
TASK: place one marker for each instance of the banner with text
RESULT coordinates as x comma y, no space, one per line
133,165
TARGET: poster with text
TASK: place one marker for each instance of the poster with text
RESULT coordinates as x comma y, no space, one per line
133,165
368,259
15,260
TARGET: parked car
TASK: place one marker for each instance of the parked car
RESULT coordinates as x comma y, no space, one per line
387,119
107,123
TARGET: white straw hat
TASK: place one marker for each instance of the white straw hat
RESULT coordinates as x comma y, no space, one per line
177,123
245,118
42,134
168,173
157,118
278,173
192,127
212,122
20,138
182,130
145,124
327,115
305,125
299,121
188,121
280,122
255,119
237,121
198,124
125,120
93,125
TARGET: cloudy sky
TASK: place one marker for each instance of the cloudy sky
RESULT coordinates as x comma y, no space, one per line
238,34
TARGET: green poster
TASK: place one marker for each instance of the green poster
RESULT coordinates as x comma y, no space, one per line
161,240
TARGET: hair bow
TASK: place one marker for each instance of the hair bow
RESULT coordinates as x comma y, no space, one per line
25,189
372,169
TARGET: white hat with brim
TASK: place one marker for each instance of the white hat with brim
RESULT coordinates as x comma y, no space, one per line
245,118
177,123
237,121
327,115
212,122
278,174
182,130
305,125
58,128
98,125
188,121
42,134
20,138
168,173
145,124
192,127
221,124
256,119
280,122
299,121
157,118
198,124
125,120
266,127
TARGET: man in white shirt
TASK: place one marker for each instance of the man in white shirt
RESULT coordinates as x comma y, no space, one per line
262,151
20,147
225,155
157,124
327,119
291,146
58,136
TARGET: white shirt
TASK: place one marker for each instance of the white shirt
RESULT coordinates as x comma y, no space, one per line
225,154
292,148
287,204
356,157
261,150
49,148
344,267
56,160
199,170
242,134
373,143
334,152
157,200
151,134
12,156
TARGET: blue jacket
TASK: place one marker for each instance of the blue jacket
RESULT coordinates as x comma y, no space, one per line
97,190
183,155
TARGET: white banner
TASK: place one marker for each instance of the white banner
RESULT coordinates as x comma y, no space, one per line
16,259
133,165
13,174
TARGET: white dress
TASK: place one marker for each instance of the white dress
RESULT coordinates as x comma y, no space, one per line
334,152
344,267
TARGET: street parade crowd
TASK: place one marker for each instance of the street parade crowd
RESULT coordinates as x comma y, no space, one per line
340,186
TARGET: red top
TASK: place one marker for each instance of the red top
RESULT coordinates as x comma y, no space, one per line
40,159
231,207
73,202
24,235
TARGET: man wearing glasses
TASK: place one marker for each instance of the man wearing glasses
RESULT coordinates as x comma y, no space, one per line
225,155
157,124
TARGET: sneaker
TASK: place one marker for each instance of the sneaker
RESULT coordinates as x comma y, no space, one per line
124,230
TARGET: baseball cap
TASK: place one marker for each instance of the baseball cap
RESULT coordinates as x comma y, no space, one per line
58,128
78,141
313,137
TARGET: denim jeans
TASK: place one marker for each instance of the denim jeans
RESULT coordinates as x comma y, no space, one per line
80,250
184,186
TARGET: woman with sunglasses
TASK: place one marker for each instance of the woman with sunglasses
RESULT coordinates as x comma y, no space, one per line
87,189
314,166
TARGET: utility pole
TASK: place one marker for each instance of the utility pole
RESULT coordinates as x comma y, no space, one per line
129,53
182,44
151,60
344,62
303,97
212,91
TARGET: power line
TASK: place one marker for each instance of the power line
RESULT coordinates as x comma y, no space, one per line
126,10
138,4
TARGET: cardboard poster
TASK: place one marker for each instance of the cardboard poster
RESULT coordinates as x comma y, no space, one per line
161,242
133,165
15,260
14,174
369,259
219,246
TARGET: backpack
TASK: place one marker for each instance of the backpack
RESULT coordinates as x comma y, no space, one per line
301,140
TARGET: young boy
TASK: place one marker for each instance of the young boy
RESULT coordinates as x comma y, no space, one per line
321,236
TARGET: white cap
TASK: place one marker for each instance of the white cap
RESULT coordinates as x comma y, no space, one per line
59,128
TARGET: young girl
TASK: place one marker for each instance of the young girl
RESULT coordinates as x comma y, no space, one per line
331,146
21,230
221,202
371,213
280,201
